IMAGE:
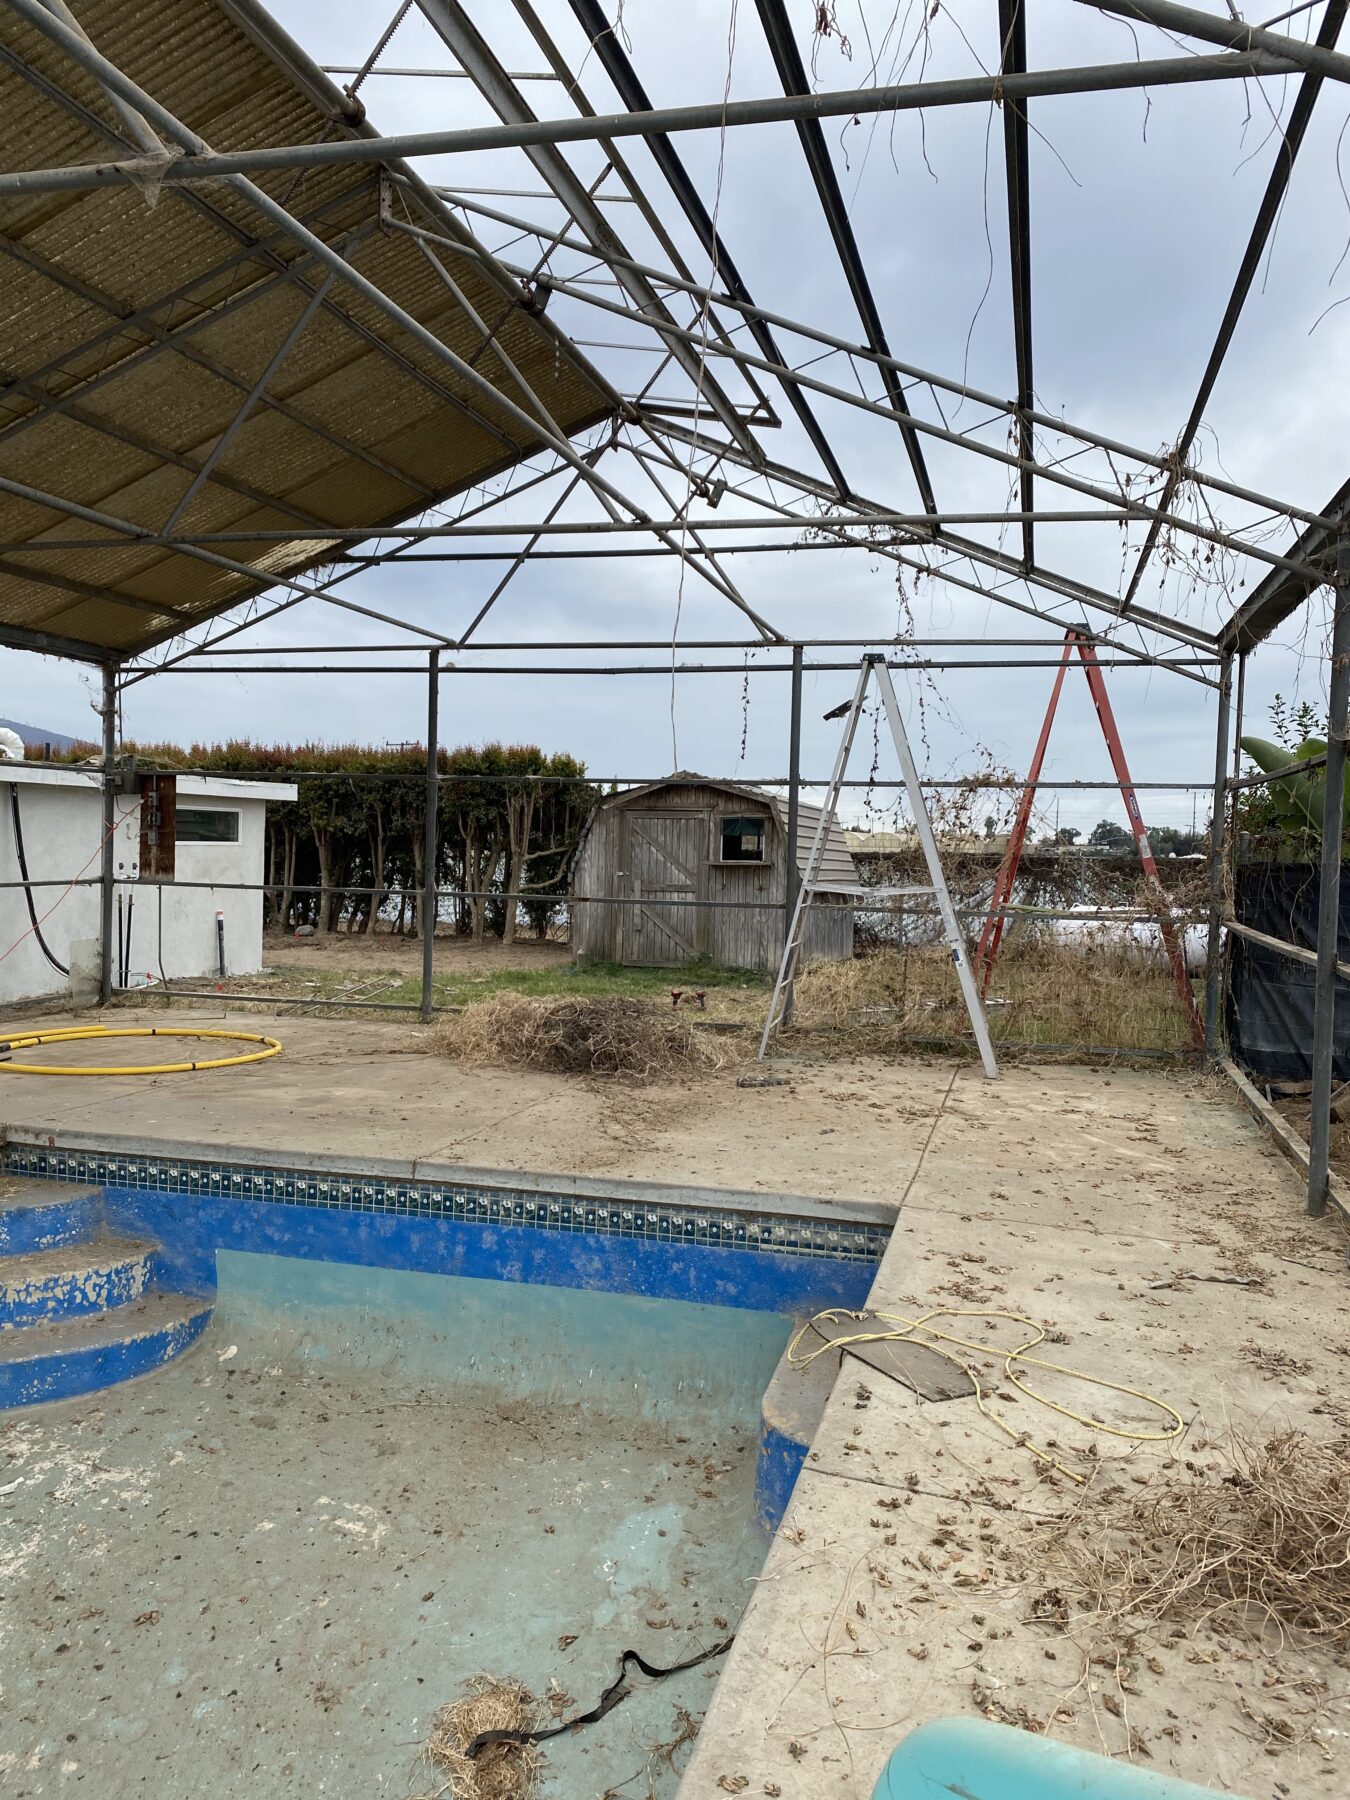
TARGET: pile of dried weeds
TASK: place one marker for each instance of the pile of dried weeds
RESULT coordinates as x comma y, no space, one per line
611,1035
499,1771
1256,1537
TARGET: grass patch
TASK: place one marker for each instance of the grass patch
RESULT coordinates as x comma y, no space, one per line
501,1771
878,1003
452,987
597,980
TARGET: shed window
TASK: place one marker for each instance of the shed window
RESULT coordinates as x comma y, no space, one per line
742,839
206,825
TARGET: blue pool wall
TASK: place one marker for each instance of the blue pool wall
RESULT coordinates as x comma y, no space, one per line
775,1253
192,1229
779,1461
264,1229
618,1354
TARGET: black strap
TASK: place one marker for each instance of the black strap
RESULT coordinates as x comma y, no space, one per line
617,1690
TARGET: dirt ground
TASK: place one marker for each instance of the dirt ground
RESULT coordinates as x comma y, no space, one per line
1295,1109
453,955
848,1127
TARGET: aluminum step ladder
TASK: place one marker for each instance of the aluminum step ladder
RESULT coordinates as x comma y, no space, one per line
874,666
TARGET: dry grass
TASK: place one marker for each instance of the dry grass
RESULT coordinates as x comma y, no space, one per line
1050,994
611,1035
1254,1538
499,1771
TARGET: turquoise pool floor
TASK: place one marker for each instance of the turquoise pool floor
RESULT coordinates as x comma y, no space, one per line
262,1569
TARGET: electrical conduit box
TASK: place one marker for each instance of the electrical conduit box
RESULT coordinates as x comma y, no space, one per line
159,811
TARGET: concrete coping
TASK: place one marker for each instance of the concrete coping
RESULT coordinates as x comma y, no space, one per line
121,1144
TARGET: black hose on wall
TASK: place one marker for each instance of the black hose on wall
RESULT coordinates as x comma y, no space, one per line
43,945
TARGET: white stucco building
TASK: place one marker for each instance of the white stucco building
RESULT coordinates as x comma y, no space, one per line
219,839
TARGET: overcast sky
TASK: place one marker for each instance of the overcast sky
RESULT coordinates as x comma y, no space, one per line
1141,206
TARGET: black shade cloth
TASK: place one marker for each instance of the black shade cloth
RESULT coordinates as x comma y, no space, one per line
1270,997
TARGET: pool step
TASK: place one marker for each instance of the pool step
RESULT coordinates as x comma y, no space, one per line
41,1215
72,1279
78,1309
59,1359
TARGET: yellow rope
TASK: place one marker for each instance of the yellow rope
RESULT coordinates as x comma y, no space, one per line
899,1328
99,1033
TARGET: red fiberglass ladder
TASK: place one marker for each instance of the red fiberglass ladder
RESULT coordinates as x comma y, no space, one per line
992,935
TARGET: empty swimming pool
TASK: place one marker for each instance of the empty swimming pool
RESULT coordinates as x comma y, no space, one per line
425,1434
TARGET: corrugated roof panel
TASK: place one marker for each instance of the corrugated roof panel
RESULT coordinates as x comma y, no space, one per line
293,459
426,444
99,622
348,485
52,446
36,312
166,401
180,259
90,242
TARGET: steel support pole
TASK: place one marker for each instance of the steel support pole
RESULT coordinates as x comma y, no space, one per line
1234,31
745,359
431,838
717,115
1217,831
710,297
109,862
792,874
1329,893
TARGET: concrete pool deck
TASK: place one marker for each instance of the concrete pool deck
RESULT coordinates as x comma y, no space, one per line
849,1128
1061,1192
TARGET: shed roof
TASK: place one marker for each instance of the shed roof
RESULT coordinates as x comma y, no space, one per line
838,871
136,325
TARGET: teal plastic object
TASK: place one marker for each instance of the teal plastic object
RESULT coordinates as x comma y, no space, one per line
971,1759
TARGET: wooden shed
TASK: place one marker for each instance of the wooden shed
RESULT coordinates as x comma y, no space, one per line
653,861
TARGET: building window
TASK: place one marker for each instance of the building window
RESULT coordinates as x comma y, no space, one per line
743,840
206,825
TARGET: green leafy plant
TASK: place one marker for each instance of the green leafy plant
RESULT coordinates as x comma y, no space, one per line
1286,814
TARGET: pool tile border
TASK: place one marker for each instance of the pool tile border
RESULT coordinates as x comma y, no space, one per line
461,1202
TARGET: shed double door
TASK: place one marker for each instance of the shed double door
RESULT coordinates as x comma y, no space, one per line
666,854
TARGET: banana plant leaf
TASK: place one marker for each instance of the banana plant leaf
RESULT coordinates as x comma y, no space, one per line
1297,799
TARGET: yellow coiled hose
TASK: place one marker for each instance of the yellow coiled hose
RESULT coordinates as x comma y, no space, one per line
72,1034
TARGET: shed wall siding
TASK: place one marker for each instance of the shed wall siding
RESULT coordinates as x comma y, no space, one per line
609,926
